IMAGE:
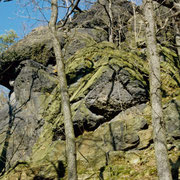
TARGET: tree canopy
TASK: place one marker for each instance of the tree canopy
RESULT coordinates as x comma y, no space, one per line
7,39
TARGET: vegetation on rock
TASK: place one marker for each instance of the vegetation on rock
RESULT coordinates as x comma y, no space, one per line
108,84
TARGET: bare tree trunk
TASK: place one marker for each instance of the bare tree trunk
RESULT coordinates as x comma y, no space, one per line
67,6
177,37
109,13
110,22
135,22
159,136
119,31
69,131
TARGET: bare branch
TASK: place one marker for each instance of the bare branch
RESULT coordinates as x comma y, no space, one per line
167,20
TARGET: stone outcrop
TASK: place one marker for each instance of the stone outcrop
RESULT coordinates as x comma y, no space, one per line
172,118
109,95
21,118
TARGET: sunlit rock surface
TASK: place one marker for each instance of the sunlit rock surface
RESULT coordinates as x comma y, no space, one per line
109,95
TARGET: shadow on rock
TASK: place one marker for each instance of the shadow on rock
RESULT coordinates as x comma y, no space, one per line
175,168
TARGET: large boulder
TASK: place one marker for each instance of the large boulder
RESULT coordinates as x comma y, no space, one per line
172,118
97,15
38,46
33,78
21,118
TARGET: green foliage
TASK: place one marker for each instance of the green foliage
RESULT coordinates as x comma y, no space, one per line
7,39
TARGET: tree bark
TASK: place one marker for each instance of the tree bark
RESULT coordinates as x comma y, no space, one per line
111,34
69,131
159,135
135,22
177,36
67,6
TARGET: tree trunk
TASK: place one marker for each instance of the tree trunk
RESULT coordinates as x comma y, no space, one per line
69,131
67,6
159,136
177,36
110,22
135,22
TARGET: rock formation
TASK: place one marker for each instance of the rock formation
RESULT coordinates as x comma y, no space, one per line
109,94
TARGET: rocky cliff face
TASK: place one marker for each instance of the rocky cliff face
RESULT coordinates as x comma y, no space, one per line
109,94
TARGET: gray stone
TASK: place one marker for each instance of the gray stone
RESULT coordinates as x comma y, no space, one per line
122,139
33,78
172,118
113,94
21,119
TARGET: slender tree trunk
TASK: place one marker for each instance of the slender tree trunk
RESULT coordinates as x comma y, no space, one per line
135,22
69,131
110,22
67,5
159,136
119,32
177,37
